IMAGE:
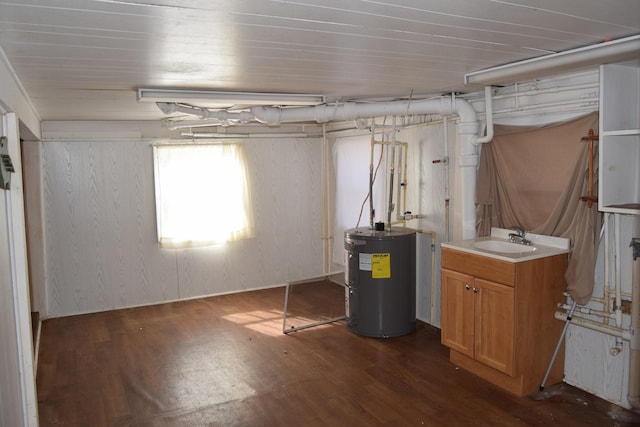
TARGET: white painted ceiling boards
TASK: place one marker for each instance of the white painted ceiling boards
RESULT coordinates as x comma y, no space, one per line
85,59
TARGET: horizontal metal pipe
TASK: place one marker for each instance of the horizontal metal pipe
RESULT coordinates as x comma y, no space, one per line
589,324
581,102
591,311
536,92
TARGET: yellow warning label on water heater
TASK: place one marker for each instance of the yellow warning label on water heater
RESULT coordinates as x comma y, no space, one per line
381,266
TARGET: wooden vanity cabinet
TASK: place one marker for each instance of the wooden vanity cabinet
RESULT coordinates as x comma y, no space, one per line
478,315
498,317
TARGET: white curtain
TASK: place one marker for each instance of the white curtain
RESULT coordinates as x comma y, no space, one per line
202,195
351,159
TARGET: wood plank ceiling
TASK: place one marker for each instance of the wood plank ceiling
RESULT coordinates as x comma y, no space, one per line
85,59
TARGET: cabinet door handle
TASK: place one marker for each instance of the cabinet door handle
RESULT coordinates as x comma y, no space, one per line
466,286
475,290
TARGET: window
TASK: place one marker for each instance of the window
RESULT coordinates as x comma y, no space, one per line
202,195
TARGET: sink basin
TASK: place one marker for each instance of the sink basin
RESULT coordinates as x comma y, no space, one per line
504,247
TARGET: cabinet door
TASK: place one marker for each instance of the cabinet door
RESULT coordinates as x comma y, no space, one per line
457,311
494,325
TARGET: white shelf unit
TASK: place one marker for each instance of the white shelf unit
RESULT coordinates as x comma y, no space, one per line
619,138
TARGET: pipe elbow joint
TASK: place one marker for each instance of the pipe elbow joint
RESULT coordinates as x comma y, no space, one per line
167,107
488,101
478,140
268,115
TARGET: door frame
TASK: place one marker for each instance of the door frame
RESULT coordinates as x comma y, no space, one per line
16,228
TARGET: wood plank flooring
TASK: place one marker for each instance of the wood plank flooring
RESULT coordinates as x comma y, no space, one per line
223,361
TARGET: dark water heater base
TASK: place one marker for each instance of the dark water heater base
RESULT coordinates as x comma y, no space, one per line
381,281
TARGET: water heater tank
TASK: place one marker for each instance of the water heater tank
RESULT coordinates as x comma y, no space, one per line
380,275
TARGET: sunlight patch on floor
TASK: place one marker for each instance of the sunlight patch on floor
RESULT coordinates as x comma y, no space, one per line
268,322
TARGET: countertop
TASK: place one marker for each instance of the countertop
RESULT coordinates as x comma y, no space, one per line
544,246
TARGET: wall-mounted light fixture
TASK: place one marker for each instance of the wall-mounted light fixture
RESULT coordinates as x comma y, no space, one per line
225,98
624,49
225,136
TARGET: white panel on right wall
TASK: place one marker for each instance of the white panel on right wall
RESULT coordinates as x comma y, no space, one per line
592,362
590,366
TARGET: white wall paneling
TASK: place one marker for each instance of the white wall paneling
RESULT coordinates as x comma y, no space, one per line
100,231
589,362
286,193
101,245
589,365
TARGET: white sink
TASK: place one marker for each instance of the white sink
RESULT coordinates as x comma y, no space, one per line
498,246
504,247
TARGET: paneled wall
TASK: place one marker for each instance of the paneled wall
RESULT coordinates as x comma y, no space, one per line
100,230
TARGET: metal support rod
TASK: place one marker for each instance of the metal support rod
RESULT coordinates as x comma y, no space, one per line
555,352
309,325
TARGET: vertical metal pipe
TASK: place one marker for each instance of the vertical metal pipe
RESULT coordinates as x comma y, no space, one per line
607,268
446,179
634,355
403,161
326,211
371,210
391,172
618,283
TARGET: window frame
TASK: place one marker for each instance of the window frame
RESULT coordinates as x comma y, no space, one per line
245,231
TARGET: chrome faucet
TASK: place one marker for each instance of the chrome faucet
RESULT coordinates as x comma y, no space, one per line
518,237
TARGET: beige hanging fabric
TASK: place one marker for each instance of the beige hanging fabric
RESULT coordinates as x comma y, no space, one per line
534,178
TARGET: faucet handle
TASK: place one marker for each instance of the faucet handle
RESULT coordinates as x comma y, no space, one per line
520,231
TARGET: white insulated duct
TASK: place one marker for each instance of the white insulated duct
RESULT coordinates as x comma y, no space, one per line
348,111
467,154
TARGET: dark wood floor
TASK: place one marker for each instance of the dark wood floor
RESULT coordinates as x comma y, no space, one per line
223,361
